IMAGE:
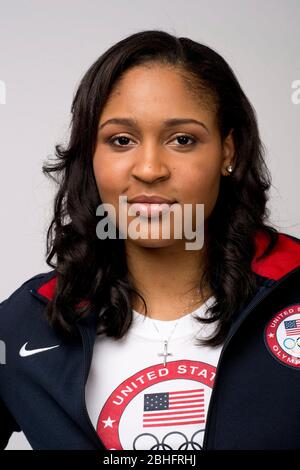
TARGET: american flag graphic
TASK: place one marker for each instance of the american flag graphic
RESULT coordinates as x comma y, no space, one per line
292,327
174,408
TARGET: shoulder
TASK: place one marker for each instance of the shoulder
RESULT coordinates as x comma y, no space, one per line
293,238
31,283
21,300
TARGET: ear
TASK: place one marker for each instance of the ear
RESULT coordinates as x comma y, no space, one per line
228,153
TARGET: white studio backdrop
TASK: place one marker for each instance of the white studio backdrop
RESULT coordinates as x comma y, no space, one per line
46,47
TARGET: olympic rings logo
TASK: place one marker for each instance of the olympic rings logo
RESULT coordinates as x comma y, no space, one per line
185,445
290,343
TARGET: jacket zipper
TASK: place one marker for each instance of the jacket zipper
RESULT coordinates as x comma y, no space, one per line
261,297
99,443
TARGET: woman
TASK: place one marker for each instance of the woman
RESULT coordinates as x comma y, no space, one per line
140,343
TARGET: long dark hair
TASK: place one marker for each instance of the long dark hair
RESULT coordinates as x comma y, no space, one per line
96,270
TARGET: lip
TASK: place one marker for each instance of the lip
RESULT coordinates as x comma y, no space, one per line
151,199
146,209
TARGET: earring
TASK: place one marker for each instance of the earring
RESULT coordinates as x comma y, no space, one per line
229,168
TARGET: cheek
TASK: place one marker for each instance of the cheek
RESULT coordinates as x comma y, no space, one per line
200,185
108,179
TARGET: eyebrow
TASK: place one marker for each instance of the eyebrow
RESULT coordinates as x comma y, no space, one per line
168,122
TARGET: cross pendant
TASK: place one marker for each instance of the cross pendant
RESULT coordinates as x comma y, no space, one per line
165,353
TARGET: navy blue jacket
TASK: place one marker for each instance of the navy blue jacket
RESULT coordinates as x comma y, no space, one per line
255,402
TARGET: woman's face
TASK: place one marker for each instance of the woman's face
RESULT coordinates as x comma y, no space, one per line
181,161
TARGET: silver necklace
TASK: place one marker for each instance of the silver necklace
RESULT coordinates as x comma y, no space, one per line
165,354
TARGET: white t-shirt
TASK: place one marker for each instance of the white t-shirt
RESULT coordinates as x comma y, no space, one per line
135,402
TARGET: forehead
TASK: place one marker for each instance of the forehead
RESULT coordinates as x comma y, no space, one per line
158,91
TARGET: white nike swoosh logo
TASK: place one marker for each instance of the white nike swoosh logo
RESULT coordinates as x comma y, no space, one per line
25,352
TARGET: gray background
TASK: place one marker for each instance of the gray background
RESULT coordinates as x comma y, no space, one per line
46,47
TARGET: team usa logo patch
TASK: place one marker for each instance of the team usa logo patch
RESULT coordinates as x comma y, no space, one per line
166,405
282,336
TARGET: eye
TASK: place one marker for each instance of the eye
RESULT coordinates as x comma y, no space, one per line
122,138
183,138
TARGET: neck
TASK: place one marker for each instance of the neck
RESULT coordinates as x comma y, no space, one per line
167,278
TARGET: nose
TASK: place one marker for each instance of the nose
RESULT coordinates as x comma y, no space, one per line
150,164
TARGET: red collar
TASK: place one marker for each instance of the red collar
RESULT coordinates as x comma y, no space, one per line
284,257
